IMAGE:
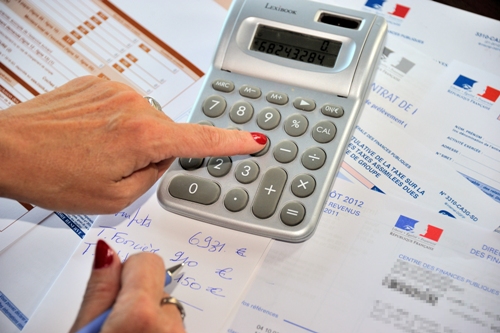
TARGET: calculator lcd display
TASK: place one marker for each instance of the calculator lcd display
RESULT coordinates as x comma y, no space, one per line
296,46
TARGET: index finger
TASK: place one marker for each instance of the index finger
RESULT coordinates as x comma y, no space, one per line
195,140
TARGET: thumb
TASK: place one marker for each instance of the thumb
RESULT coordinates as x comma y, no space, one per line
102,287
195,140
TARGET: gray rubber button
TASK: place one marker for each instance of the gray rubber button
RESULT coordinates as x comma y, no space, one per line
296,125
304,104
324,131
214,106
332,110
195,189
236,199
285,151
206,123
313,158
250,91
292,213
268,118
269,192
190,163
219,166
277,98
263,150
223,85
247,172
241,112
303,185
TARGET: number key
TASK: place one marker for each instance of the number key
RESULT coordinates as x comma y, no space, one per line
195,189
214,106
268,118
219,166
246,172
241,112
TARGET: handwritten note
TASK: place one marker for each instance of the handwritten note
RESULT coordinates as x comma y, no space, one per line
218,264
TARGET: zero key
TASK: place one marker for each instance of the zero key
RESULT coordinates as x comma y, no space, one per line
194,189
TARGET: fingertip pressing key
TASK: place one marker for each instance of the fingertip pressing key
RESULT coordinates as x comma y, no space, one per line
263,140
260,138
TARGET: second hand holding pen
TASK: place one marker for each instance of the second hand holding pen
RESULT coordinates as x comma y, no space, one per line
95,325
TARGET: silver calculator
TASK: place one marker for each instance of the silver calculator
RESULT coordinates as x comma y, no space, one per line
297,71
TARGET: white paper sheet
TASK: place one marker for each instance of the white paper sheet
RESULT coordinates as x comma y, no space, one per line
29,267
460,122
17,219
218,264
401,83
377,265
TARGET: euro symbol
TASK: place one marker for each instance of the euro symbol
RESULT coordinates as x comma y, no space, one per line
222,273
241,252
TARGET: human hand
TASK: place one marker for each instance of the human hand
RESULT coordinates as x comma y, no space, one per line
133,290
93,146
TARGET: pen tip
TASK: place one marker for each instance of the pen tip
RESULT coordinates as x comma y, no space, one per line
175,268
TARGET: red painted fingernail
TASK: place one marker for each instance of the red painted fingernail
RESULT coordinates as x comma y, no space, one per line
103,255
260,138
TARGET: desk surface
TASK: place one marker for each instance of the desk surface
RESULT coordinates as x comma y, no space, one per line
488,8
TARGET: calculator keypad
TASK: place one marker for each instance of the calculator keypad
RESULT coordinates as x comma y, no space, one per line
289,176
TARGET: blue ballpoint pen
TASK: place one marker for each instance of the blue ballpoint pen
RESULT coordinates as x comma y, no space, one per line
95,325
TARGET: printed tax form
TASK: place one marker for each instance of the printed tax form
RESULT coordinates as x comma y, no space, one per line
466,131
377,265
395,163
453,111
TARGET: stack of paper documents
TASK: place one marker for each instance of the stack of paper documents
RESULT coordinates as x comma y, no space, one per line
407,239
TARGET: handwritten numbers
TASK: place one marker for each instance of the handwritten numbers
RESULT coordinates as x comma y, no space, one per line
179,257
188,282
192,284
208,243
